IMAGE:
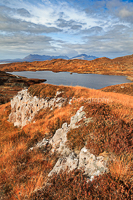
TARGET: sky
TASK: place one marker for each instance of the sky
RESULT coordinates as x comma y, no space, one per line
103,28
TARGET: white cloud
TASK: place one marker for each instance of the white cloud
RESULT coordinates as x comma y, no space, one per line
66,27
125,13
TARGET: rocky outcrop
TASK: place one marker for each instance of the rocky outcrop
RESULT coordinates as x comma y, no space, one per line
91,165
24,107
69,160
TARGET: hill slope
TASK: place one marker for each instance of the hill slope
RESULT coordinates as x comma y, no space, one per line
118,66
28,156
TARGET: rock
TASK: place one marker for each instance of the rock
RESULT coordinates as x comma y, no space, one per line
58,141
92,165
24,107
66,163
80,115
69,160
58,93
89,163
43,143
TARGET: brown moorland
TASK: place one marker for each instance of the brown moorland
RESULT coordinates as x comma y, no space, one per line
11,84
118,66
125,88
24,173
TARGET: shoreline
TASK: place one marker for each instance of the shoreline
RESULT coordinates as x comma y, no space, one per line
122,66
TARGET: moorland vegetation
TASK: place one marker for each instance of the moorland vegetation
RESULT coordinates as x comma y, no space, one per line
118,66
24,173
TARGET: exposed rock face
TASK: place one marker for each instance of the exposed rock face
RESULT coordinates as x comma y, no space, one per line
69,160
92,165
80,115
65,163
59,140
89,163
24,107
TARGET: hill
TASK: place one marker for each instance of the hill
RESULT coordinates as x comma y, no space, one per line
11,84
37,57
84,57
60,142
118,66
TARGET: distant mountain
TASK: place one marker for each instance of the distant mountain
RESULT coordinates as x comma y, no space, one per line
36,57
84,57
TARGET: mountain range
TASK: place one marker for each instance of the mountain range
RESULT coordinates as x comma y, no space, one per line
36,57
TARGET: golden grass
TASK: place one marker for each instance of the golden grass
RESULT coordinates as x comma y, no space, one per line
118,66
122,168
23,172
32,185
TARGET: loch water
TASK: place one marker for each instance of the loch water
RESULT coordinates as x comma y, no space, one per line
96,81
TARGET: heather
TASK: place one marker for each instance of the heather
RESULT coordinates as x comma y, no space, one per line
24,172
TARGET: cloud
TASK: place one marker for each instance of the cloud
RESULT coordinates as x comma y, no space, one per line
23,12
62,23
126,14
112,43
13,25
92,30
25,43
8,23
101,27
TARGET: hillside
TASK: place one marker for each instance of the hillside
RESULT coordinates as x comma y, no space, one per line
11,84
118,66
125,88
60,142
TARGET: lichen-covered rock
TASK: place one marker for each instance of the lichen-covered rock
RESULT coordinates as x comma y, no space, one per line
66,163
24,107
58,141
80,115
90,164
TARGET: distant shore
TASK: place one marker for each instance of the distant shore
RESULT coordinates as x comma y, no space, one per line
122,66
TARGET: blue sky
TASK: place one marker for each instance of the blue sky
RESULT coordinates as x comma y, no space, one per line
66,27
